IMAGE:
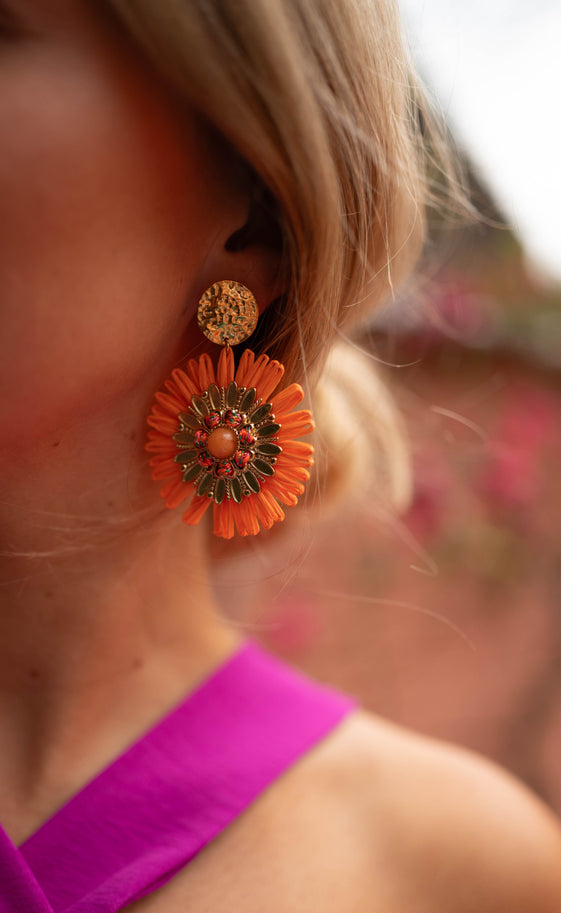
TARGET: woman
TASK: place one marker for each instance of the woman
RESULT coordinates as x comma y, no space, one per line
149,150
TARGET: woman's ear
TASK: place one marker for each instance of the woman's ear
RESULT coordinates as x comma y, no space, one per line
253,252
262,226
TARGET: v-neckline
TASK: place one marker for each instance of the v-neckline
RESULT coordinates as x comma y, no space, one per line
147,813
151,732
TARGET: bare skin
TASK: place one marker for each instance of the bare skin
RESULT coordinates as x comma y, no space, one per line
377,820
114,211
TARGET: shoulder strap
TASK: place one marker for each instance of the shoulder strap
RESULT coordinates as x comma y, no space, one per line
19,889
141,820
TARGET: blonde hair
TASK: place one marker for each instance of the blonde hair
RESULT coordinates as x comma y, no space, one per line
319,97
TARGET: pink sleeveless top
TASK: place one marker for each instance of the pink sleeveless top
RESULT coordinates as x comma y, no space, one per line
152,810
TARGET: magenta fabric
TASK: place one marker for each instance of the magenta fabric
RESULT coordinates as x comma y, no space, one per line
154,808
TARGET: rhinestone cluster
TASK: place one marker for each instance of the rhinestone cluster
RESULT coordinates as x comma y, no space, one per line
227,442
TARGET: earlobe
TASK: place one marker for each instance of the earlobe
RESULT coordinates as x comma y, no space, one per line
263,224
253,253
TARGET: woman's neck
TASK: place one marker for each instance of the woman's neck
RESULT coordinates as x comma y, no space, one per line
101,633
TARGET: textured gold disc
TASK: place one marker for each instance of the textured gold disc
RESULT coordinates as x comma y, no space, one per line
227,313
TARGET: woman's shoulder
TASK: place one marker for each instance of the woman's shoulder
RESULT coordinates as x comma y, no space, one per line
376,819
446,829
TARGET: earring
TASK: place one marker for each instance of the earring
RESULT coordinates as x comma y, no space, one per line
224,435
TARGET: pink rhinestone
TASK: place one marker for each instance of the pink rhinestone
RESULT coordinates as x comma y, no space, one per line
212,420
246,437
242,458
200,438
233,418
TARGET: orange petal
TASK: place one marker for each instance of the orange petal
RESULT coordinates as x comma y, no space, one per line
255,375
296,424
270,505
196,510
163,469
206,371
294,466
292,486
245,518
293,463
163,424
245,368
261,511
161,444
270,379
223,520
299,450
287,399
175,492
225,370
290,473
281,492
193,374
184,385
170,404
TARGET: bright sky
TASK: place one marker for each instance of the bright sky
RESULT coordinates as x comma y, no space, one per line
496,67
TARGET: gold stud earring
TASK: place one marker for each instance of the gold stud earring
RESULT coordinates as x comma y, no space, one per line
228,436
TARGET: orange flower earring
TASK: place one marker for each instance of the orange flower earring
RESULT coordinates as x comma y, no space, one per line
224,435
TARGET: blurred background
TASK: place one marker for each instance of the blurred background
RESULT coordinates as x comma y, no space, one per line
448,620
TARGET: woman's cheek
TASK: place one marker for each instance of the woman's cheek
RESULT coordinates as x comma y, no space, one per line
97,248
